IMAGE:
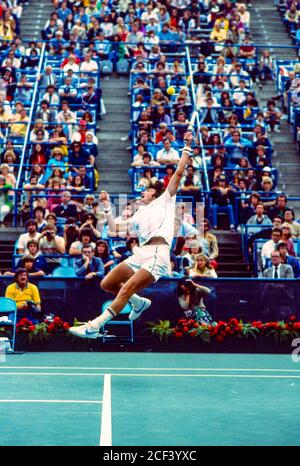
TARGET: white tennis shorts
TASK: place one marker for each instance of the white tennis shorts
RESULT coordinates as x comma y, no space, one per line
153,258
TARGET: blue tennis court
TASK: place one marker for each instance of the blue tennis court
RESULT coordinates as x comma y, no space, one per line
149,399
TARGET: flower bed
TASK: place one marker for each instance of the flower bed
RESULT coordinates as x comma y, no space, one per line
42,331
278,332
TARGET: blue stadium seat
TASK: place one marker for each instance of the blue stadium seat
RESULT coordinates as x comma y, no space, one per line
8,308
64,272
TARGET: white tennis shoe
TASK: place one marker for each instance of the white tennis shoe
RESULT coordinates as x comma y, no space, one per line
137,312
85,331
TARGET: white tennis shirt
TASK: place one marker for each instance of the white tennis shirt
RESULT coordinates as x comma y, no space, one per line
155,219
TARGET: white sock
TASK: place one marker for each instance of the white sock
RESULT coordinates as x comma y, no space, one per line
136,300
107,315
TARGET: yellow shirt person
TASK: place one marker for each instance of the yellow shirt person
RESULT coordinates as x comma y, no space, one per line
21,291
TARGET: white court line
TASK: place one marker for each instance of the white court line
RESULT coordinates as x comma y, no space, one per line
106,428
175,369
53,401
235,376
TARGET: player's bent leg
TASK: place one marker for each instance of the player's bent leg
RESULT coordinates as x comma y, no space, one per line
115,279
138,281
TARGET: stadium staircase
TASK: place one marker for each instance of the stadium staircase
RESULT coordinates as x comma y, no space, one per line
8,237
231,262
34,17
267,28
113,159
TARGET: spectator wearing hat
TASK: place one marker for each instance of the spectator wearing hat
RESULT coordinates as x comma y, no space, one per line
56,160
31,233
80,134
221,201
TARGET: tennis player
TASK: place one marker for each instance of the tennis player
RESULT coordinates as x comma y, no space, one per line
153,223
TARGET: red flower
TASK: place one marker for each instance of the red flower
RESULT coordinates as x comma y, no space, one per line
185,329
196,325
296,325
178,334
234,321
292,318
219,338
31,328
57,321
193,333
51,328
66,325
228,330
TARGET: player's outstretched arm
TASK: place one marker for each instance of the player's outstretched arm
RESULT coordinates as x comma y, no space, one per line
186,151
104,199
113,228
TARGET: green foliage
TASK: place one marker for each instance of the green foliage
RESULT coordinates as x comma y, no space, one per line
163,329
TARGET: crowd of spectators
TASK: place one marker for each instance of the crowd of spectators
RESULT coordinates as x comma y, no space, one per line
233,140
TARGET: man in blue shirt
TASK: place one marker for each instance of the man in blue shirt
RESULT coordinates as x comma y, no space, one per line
89,266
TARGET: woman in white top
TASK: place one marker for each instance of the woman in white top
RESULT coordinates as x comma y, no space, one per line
153,224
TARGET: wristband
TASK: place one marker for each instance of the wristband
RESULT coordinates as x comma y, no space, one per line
108,211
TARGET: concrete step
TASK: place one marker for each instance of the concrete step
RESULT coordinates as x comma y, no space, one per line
113,188
112,136
119,84
119,126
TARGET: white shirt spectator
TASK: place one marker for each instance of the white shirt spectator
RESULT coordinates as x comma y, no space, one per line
23,240
71,66
89,66
53,99
267,250
170,155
